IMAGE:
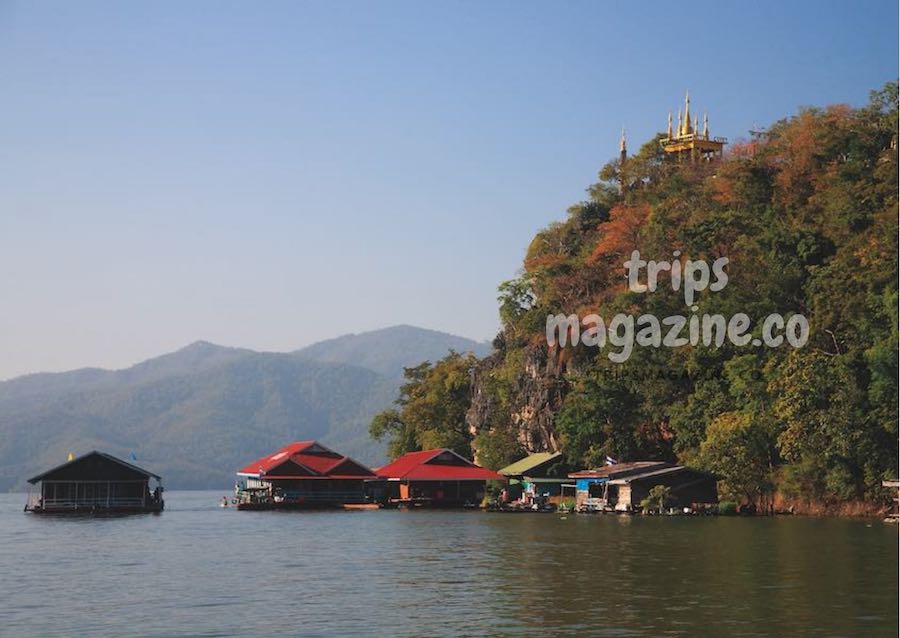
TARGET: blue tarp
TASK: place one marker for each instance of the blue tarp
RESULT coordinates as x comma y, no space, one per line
583,484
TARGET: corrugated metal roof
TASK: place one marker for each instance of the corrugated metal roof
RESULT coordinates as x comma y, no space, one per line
523,466
313,458
658,472
439,464
617,469
262,465
407,461
83,457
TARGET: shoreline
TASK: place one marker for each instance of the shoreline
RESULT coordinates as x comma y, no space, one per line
851,510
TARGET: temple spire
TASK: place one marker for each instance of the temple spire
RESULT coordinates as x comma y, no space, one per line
687,113
688,141
623,149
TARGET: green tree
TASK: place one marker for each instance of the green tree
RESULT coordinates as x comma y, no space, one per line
738,450
498,447
806,212
432,408
658,499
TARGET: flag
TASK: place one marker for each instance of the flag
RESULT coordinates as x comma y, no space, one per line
610,460
71,457
133,456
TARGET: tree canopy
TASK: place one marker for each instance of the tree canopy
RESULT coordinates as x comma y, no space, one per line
431,409
807,214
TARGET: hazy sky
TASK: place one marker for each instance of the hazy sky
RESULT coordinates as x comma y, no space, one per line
270,174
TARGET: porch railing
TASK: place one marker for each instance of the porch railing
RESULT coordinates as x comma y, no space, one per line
594,504
306,497
36,502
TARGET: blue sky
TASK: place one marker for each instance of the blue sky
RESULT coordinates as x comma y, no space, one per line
271,174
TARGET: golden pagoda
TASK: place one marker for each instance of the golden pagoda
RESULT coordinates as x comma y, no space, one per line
688,143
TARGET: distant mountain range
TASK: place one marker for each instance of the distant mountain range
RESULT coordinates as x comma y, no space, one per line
195,415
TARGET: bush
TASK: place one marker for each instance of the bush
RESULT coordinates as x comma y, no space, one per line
658,499
727,508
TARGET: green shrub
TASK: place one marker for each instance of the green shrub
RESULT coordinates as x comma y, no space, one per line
657,500
727,508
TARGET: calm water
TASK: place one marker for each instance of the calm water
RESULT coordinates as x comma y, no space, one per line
200,570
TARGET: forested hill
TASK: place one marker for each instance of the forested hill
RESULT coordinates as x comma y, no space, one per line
197,414
389,350
806,213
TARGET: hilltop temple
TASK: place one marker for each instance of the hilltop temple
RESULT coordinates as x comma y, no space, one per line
687,142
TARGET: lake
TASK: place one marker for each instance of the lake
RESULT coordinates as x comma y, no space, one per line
201,570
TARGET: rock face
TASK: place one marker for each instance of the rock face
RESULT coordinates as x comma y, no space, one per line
537,392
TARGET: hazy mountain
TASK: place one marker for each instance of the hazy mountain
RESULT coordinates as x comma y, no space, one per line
196,415
198,356
389,350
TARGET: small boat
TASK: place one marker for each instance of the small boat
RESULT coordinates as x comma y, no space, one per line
362,506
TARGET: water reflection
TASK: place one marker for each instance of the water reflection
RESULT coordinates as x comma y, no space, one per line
203,570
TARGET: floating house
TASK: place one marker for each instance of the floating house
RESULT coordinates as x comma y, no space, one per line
592,486
302,475
438,478
95,483
622,486
540,477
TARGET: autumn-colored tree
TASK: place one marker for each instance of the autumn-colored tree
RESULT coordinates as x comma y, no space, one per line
738,450
621,234
807,213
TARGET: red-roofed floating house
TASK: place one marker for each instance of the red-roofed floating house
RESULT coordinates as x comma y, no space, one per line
438,477
302,475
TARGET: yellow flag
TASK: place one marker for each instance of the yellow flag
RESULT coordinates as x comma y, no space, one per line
71,457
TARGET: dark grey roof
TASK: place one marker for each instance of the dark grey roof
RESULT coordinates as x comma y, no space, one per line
659,472
104,455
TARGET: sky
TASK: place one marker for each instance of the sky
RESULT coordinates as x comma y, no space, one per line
268,175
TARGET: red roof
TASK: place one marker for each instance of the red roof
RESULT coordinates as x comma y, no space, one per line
439,464
306,460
